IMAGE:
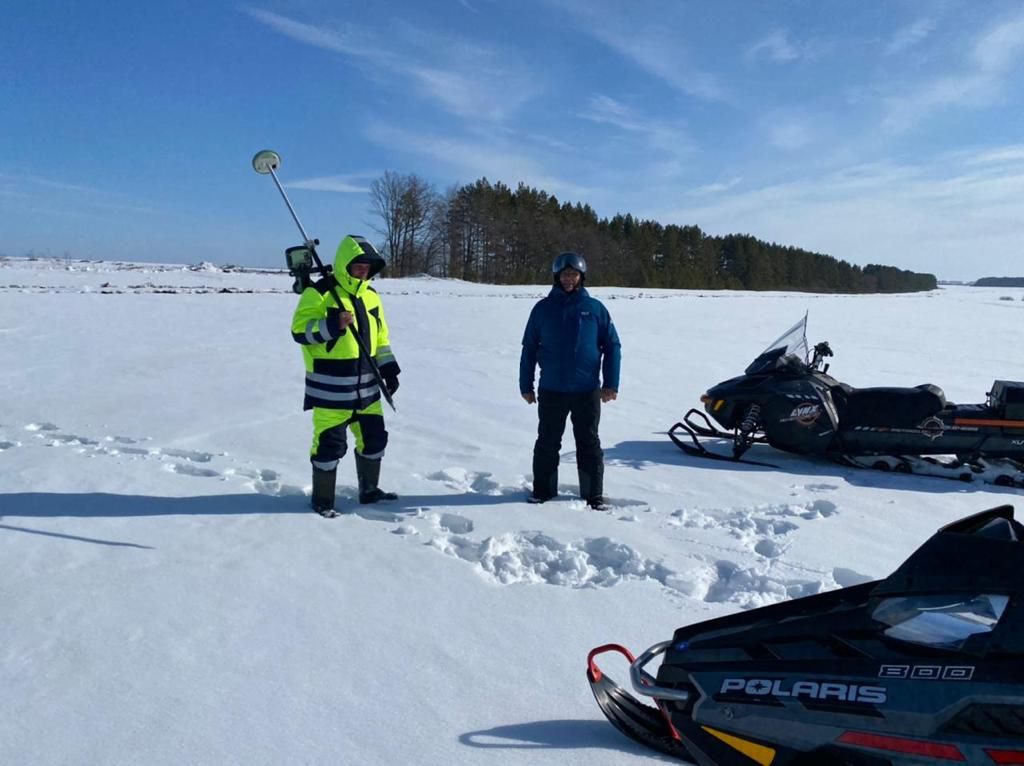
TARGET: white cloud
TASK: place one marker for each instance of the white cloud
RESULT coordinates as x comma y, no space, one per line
789,134
465,79
33,180
775,46
910,35
995,54
934,217
654,48
344,184
472,159
1003,154
90,197
715,188
671,138
351,42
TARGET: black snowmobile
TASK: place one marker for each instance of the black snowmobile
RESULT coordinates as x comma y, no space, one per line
787,399
922,667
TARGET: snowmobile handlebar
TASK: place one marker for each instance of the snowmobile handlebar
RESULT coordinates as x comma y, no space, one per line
821,351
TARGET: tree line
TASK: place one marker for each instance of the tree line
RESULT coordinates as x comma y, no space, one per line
1000,282
489,232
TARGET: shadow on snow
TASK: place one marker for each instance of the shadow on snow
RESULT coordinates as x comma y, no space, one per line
639,454
556,735
103,504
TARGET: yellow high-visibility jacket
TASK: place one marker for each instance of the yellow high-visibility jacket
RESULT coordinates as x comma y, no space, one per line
337,376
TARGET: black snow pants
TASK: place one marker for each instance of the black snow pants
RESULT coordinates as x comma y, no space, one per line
585,412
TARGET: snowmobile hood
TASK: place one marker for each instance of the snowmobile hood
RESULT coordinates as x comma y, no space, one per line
962,589
921,666
984,551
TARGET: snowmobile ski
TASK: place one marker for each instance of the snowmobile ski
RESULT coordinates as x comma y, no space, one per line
697,449
642,723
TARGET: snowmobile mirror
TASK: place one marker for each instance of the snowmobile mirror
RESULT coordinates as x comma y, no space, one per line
266,161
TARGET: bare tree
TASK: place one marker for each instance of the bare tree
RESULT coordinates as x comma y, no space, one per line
409,209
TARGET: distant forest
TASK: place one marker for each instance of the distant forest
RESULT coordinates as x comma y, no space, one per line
1000,282
488,232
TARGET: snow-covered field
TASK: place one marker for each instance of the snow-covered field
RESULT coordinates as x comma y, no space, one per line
167,598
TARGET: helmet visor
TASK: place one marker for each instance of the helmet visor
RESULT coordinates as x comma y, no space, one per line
569,261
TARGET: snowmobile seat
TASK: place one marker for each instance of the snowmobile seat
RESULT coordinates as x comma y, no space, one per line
892,407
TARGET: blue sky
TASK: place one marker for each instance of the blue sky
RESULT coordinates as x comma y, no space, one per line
873,131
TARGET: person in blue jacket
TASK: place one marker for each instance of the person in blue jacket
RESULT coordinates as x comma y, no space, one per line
571,336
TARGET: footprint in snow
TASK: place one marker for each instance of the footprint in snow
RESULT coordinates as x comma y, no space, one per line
194,456
453,522
763,530
751,587
191,470
537,558
186,462
468,481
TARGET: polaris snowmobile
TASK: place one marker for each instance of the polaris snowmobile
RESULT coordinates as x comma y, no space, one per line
923,667
787,399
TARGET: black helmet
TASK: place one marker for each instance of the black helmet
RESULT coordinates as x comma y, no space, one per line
569,260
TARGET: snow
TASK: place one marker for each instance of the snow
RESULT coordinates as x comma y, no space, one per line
168,598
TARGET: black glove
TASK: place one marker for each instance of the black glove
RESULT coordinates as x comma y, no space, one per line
391,384
334,323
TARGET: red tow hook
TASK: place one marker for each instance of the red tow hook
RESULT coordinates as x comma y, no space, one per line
594,675
593,671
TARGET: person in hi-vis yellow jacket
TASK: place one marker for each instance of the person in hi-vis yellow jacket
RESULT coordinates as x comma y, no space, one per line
341,387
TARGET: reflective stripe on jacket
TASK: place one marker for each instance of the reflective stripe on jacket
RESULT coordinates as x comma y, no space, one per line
336,375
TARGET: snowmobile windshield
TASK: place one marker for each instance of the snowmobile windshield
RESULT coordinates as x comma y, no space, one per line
789,349
944,622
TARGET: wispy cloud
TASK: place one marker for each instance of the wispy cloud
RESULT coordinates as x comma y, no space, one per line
470,159
344,183
933,217
670,137
28,179
775,47
349,41
464,78
31,186
910,35
1005,154
652,46
788,131
715,188
994,56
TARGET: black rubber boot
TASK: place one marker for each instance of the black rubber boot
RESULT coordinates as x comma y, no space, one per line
323,492
368,472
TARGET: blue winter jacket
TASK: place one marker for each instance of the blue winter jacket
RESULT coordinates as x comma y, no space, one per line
568,333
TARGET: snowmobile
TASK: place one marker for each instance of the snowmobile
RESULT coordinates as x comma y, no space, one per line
787,399
922,667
